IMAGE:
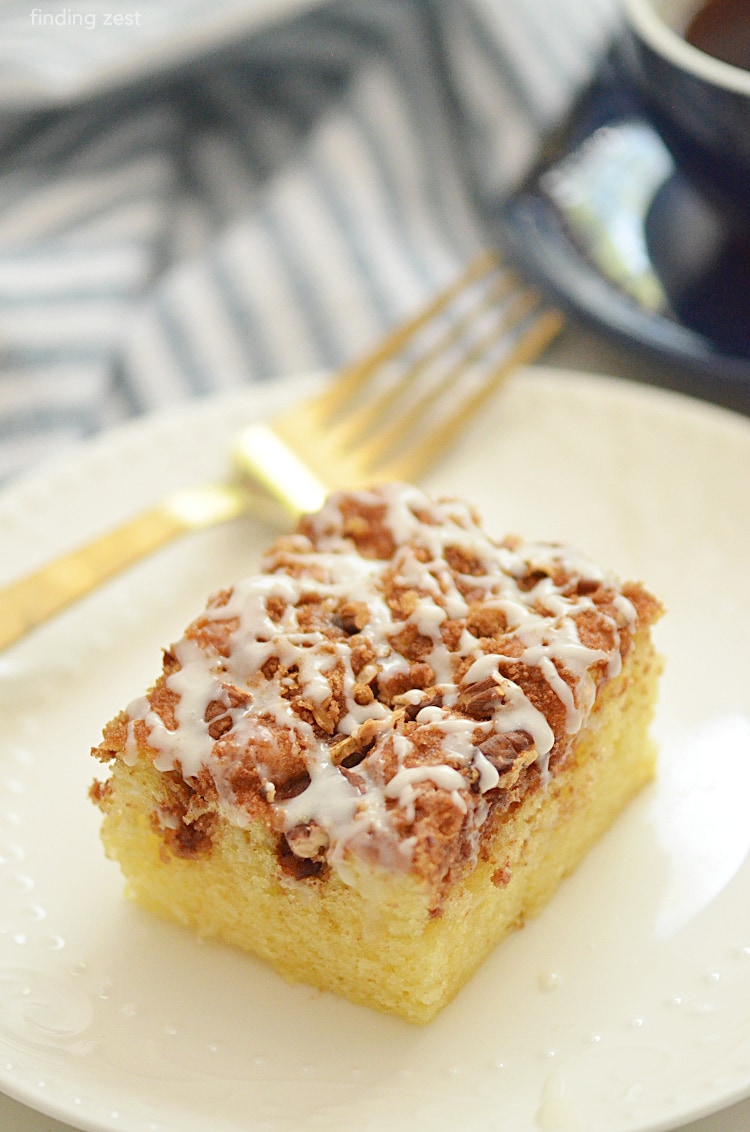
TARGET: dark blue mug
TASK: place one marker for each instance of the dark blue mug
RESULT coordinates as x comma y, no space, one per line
699,104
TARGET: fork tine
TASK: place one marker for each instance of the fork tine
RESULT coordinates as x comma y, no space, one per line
299,455
507,318
411,464
357,425
352,378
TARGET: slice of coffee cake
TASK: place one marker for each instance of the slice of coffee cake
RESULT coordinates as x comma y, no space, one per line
373,760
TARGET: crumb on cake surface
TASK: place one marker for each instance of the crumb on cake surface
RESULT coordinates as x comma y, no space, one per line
391,684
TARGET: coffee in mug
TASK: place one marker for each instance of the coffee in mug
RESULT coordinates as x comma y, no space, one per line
722,28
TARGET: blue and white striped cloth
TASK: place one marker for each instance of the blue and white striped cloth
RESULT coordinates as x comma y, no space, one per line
198,194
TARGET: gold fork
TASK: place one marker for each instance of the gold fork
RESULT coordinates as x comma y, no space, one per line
388,416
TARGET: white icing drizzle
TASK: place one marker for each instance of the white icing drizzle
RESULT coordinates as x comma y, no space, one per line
285,616
401,787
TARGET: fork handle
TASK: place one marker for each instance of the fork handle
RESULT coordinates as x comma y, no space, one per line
263,454
33,599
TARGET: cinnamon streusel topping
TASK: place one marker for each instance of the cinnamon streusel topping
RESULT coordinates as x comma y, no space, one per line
392,679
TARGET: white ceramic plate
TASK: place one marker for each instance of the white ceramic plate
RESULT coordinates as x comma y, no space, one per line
625,1006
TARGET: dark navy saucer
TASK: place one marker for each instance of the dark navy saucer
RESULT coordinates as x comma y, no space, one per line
607,224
